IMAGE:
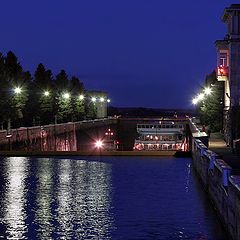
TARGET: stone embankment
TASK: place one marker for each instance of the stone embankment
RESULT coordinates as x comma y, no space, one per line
218,170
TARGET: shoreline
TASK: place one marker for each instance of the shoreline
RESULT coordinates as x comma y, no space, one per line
85,153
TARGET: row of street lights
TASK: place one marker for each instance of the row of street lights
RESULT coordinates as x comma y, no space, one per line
66,95
207,91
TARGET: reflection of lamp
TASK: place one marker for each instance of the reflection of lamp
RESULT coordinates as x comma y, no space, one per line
15,196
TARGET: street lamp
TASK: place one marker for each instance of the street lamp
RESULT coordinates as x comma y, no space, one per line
108,100
46,93
66,95
194,101
17,90
207,91
94,99
99,144
200,96
81,97
101,99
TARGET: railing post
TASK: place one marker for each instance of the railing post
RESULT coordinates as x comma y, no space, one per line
212,160
225,176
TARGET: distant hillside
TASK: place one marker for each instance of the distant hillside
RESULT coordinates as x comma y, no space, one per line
149,112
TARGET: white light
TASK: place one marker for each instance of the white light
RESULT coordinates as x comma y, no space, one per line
46,93
207,91
17,90
99,144
108,100
101,99
200,96
195,101
94,99
81,97
66,95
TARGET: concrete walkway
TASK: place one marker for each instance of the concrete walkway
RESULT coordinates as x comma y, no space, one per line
218,145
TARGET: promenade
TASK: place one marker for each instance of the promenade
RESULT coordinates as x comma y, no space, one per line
218,145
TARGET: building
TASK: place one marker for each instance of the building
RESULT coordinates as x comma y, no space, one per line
228,70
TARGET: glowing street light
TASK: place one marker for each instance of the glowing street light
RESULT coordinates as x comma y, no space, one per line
94,99
108,100
17,90
194,101
99,144
200,96
81,97
66,95
101,99
207,91
46,93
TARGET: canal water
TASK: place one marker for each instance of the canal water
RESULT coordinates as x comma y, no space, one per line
104,198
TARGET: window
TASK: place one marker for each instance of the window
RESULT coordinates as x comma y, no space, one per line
223,59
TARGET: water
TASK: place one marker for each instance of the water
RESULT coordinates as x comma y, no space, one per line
104,198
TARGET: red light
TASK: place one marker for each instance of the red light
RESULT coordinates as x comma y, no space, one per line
222,71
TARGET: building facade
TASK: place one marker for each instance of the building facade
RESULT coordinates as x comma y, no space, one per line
228,70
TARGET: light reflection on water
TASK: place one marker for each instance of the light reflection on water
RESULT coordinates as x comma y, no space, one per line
110,198
71,199
15,198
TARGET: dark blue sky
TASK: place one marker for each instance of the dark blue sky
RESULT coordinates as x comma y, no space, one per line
148,53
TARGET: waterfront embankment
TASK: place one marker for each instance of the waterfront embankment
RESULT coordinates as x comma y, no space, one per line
218,170
85,153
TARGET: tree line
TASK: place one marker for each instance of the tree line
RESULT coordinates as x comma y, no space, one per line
211,109
40,99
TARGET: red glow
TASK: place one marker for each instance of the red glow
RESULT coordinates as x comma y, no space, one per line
222,71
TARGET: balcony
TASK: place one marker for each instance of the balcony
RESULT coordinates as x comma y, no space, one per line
222,73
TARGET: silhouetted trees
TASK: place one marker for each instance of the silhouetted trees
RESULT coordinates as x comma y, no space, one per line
211,108
41,99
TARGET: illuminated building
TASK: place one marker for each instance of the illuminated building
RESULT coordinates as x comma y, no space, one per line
228,70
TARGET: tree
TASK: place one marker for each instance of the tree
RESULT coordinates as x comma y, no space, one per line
211,109
61,81
18,86
78,99
90,109
63,98
5,110
12,67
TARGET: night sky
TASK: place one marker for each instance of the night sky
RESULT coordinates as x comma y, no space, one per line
148,53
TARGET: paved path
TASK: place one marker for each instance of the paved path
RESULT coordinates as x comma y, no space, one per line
218,145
